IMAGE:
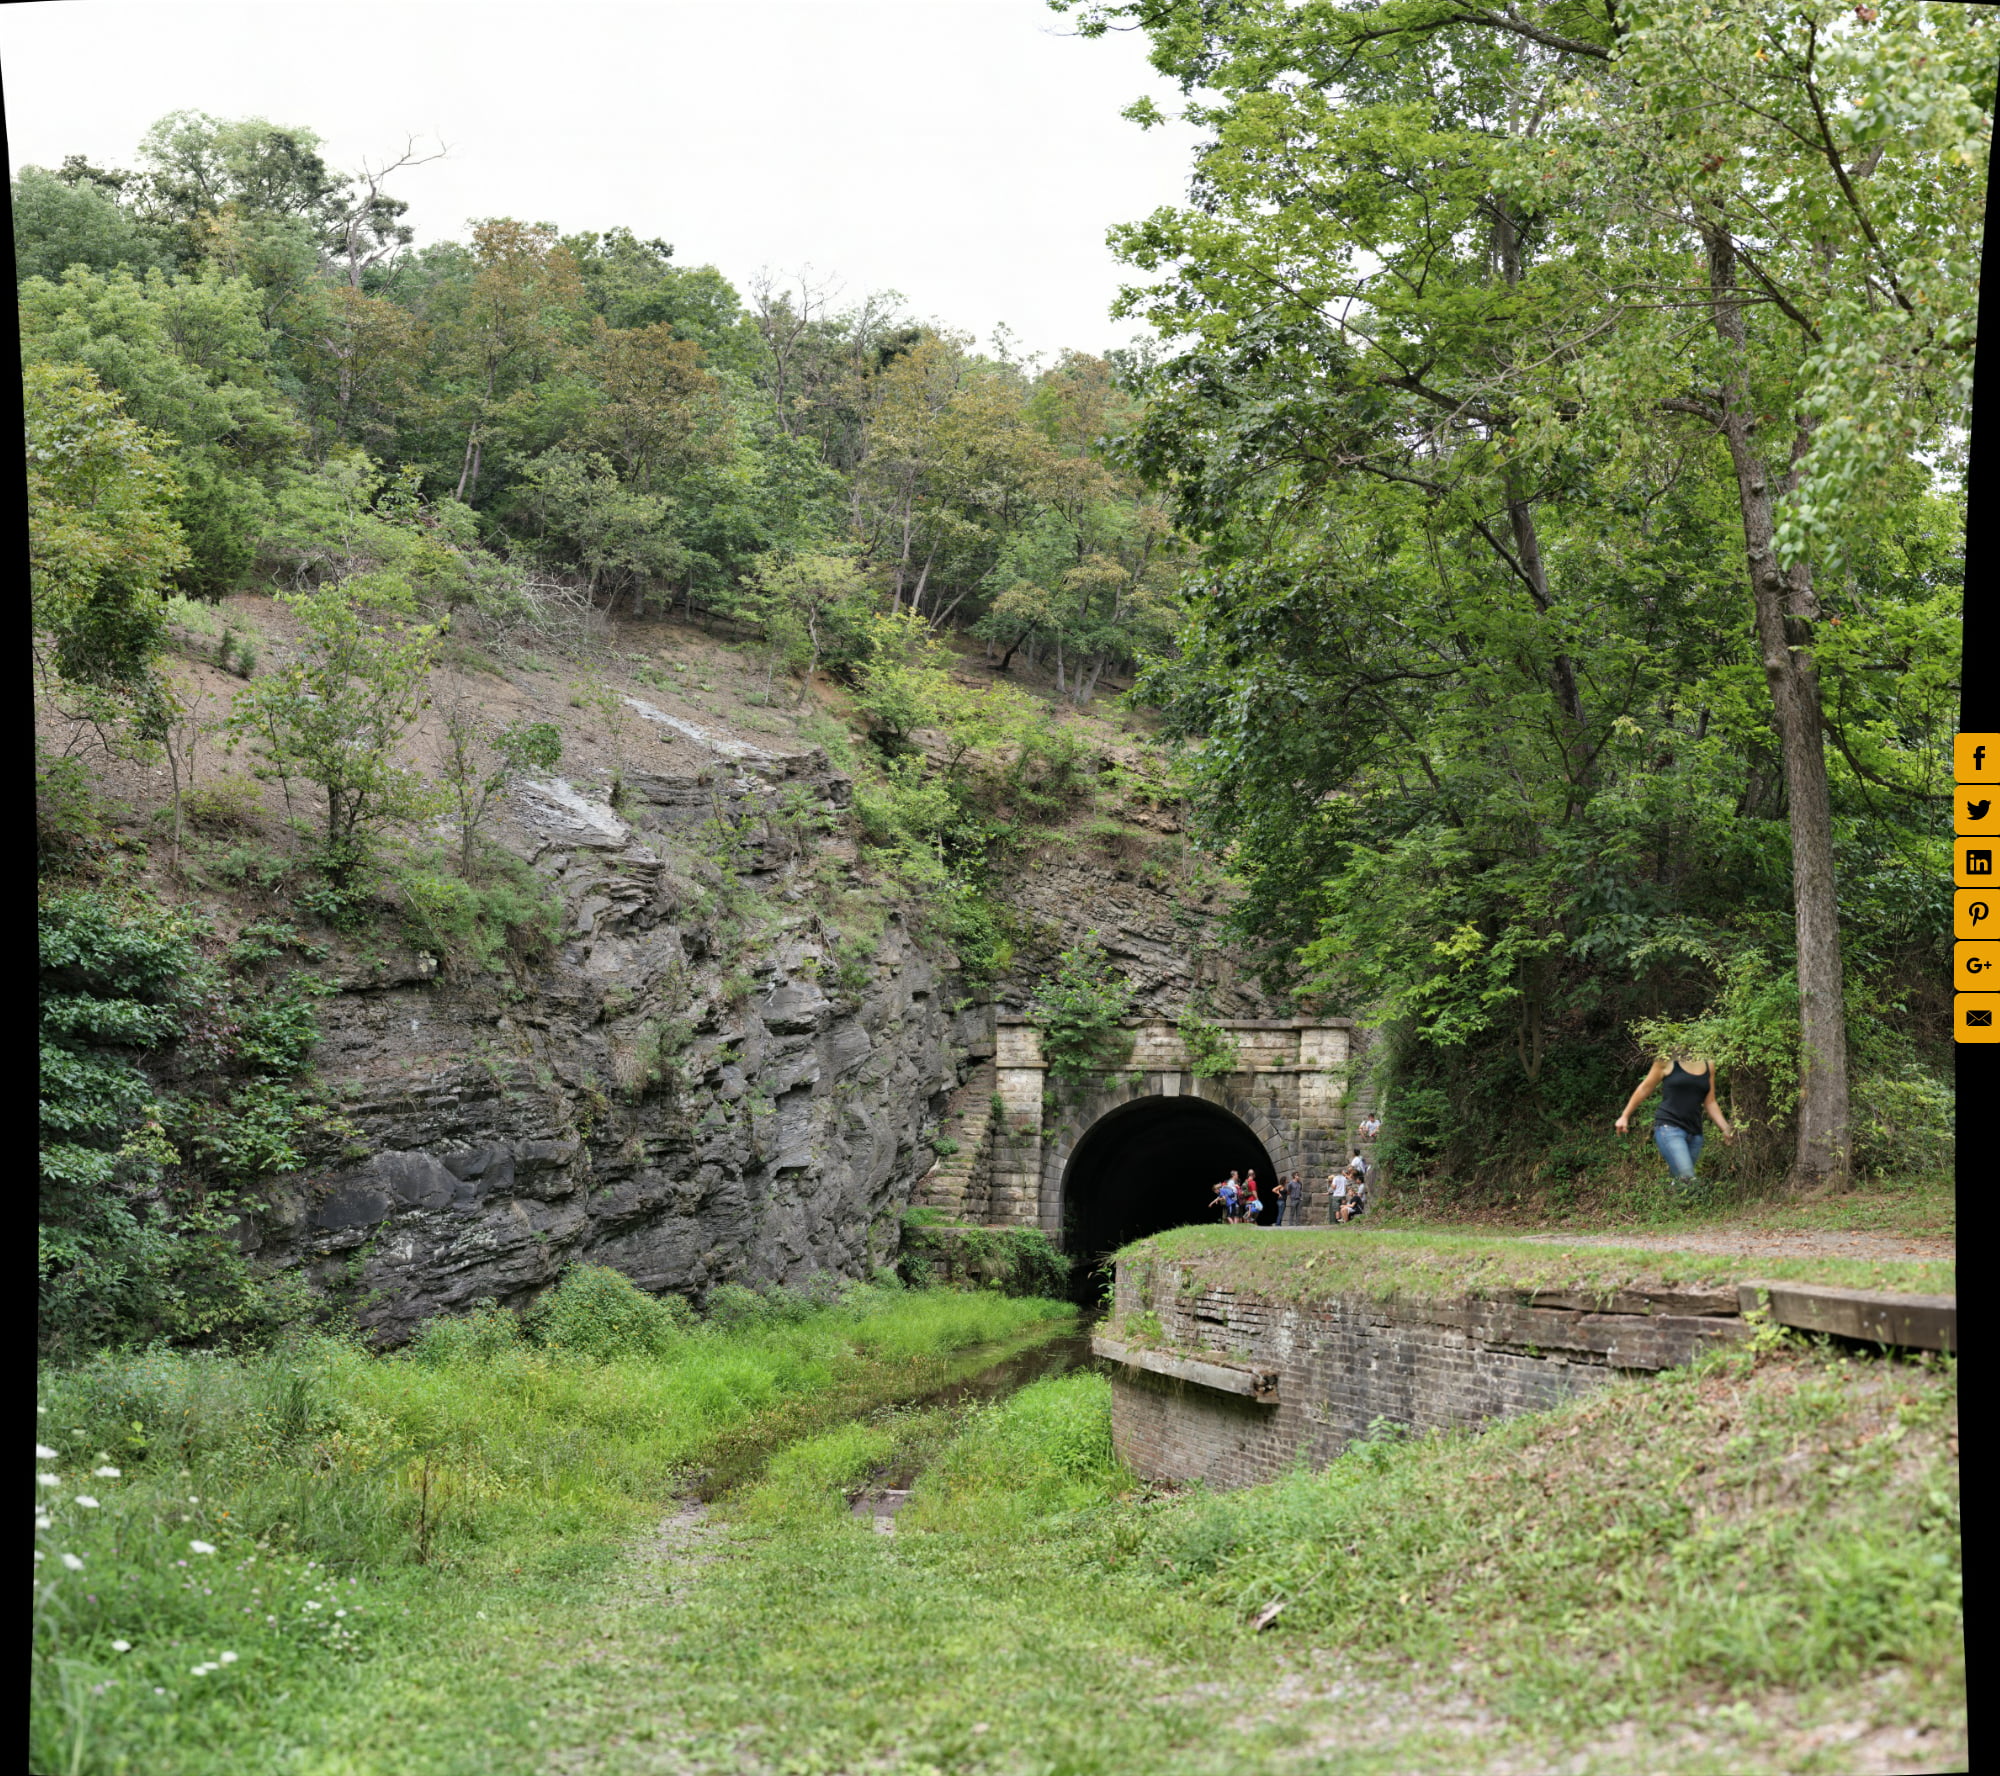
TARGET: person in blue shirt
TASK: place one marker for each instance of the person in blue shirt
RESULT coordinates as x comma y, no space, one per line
1225,1194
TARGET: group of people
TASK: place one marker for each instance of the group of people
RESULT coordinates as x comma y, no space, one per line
1244,1203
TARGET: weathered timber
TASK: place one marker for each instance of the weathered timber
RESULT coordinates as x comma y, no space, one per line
1260,1385
1920,1322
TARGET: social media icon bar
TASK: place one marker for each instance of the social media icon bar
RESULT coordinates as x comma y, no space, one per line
1975,920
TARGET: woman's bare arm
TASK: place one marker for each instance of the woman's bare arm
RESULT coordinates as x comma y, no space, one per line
1654,1075
1714,1109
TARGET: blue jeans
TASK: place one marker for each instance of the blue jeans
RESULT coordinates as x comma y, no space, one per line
1681,1150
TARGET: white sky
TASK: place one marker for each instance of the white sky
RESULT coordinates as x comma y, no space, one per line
968,153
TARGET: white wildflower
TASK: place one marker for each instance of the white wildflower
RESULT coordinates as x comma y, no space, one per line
43,1453
229,1658
106,1473
74,1564
121,1646
86,1501
48,1479
311,1602
41,1522
201,1547
340,1612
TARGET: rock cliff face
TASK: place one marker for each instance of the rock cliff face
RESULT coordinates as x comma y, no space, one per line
700,1086
732,1067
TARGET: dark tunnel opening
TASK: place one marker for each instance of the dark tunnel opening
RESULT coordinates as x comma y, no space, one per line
1147,1166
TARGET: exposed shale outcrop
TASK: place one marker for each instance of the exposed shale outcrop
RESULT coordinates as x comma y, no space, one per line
705,1082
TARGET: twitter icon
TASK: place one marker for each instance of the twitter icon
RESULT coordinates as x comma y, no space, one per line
1975,816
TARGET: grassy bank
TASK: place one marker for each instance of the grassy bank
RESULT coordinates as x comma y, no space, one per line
234,1554
1747,1567
1315,1263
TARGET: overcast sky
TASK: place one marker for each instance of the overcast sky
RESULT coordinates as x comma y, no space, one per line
968,153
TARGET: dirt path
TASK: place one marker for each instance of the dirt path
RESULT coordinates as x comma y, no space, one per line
1750,1243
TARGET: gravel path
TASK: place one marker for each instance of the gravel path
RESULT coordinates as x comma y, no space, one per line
1751,1244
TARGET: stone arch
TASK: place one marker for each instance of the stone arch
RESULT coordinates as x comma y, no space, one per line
1129,1162
1289,1092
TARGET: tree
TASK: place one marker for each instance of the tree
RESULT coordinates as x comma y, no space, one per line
581,515
60,222
809,608
661,414
103,543
336,714
480,765
1443,254
1826,169
191,359
502,336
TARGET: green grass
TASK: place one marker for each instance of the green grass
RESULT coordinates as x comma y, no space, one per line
1697,1572
1719,1569
356,1513
1315,1264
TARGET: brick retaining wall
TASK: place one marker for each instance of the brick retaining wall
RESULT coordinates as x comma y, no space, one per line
1342,1364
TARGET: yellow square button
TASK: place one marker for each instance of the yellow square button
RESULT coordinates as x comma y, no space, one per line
1972,863
1976,913
1975,967
1976,758
1975,1017
1975,810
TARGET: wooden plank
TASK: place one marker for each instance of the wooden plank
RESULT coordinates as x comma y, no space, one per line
1920,1322
1700,1303
1260,1385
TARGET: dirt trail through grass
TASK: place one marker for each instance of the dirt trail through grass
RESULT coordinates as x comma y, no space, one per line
1036,1613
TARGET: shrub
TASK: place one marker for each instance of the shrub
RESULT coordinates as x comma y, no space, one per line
1211,1049
1080,1009
472,927
601,1313
475,1337
69,818
227,804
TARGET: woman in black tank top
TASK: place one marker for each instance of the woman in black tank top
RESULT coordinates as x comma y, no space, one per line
1687,1094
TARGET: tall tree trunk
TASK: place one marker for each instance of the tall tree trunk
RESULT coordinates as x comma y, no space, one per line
465,468
923,580
1785,610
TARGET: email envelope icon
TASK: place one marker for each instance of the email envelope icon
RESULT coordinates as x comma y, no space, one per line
1979,1020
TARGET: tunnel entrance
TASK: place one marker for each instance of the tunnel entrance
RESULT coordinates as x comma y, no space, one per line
1147,1166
